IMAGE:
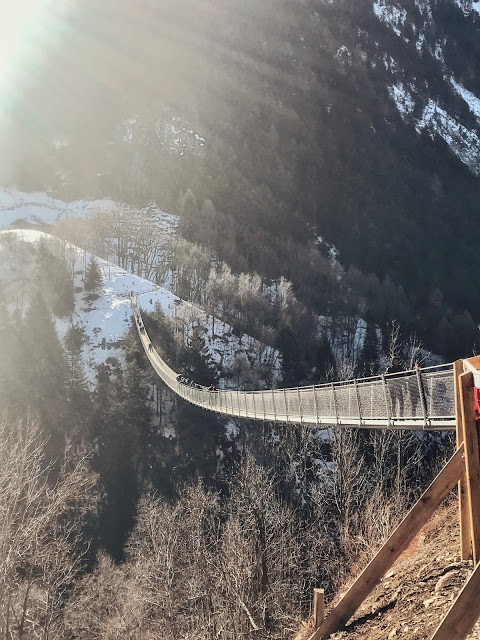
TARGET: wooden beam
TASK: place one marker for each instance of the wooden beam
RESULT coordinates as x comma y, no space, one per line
474,361
473,365
318,607
463,512
463,613
394,547
472,463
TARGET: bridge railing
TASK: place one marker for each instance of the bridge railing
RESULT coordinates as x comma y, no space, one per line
417,399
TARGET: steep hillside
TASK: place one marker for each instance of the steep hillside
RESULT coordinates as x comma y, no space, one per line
105,318
266,126
414,596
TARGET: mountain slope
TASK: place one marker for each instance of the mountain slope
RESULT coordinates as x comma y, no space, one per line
413,597
357,122
105,319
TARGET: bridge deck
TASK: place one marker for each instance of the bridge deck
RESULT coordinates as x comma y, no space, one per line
421,399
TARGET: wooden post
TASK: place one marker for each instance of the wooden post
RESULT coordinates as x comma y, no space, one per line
463,613
395,545
472,465
464,516
318,607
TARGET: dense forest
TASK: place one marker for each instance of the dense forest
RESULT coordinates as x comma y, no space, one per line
301,140
125,528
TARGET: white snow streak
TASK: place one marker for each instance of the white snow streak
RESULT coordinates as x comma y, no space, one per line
464,143
390,14
469,97
402,98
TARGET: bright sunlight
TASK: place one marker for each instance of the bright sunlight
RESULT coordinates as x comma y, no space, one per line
25,28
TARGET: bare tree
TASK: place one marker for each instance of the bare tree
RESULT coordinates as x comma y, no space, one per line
41,541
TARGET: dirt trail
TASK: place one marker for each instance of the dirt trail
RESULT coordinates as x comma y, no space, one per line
416,593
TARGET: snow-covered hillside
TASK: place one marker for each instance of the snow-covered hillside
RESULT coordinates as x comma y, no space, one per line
106,320
171,133
415,26
40,208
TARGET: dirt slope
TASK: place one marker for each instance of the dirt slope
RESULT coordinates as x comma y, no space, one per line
414,596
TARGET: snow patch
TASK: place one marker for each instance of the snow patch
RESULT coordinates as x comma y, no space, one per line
469,97
106,320
344,56
391,15
402,98
419,44
464,143
389,63
466,6
424,8
175,135
438,53
39,208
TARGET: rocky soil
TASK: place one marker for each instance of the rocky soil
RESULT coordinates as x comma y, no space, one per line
418,591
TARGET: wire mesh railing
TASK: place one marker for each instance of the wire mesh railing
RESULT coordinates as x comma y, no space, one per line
417,399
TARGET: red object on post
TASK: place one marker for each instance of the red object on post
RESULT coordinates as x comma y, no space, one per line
476,402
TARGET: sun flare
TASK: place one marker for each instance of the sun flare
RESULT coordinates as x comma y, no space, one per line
22,23
26,27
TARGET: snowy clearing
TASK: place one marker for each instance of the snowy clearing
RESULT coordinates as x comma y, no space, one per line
107,319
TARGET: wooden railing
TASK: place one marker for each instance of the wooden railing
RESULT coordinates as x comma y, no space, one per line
462,468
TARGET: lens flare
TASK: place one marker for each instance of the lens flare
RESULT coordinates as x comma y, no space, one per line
26,27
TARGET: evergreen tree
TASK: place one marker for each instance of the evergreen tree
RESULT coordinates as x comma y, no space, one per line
122,419
11,383
199,434
78,393
4,317
197,362
44,365
55,280
325,364
65,302
368,361
93,276
287,343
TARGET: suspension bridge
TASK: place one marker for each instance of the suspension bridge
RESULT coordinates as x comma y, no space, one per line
421,399
434,398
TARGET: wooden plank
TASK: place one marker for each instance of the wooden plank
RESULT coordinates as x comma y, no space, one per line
463,613
318,607
473,365
475,361
463,511
395,546
472,463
